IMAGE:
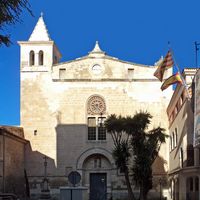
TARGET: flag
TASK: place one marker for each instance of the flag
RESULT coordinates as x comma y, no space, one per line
176,78
164,65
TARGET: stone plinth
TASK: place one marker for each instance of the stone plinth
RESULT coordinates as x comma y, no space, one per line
73,193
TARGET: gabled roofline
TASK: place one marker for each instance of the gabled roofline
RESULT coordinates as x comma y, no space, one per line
12,131
104,57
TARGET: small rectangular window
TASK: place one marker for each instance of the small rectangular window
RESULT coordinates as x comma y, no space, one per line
62,73
96,128
130,74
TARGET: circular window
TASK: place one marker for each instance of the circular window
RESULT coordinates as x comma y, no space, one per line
96,105
96,69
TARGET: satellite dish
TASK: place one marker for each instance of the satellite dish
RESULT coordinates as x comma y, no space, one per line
74,177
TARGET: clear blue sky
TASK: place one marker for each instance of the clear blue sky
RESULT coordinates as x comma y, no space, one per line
132,30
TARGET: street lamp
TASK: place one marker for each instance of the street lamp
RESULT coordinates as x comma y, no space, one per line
45,193
45,181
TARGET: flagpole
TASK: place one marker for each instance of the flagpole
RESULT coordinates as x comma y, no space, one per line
178,68
196,52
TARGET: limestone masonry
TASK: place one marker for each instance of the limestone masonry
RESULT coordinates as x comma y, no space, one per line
62,105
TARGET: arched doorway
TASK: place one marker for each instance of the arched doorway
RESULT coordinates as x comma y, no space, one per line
97,176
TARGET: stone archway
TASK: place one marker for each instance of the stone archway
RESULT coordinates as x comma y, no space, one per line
92,151
93,164
96,163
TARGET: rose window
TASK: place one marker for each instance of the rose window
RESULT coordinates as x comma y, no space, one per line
96,105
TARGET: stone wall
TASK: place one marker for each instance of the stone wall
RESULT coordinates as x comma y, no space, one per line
12,153
54,111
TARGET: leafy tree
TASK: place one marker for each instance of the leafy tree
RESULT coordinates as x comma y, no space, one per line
136,146
10,11
121,152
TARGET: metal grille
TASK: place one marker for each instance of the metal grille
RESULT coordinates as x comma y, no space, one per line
101,133
91,133
96,132
91,128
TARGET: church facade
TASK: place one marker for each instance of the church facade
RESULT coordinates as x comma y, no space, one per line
63,107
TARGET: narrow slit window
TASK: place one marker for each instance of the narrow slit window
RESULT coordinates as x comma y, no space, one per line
32,58
41,58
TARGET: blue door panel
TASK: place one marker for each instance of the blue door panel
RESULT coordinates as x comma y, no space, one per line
98,186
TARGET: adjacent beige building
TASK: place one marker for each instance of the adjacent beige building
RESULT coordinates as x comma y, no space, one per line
12,162
184,163
64,104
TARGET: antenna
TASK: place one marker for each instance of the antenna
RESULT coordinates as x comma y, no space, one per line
196,52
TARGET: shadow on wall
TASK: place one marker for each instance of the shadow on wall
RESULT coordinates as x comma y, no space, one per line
73,149
35,163
159,166
35,170
160,179
71,142
160,172
12,185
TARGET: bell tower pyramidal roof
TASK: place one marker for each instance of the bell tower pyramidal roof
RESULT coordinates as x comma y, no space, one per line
39,41
40,32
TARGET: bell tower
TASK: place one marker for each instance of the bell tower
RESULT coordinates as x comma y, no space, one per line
37,56
39,53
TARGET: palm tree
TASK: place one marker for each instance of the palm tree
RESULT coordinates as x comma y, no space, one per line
121,152
133,142
145,147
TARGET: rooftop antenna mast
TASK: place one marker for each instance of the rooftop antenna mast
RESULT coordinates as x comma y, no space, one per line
196,52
